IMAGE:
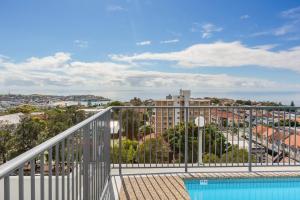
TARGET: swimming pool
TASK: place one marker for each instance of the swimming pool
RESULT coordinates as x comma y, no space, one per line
244,189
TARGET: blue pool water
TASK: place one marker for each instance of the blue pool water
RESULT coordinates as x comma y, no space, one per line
244,189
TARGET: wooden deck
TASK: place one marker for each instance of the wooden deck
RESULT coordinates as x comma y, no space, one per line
171,186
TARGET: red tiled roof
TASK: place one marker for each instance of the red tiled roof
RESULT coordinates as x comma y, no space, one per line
293,141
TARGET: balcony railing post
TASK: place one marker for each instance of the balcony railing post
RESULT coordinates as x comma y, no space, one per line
186,118
250,142
120,141
86,162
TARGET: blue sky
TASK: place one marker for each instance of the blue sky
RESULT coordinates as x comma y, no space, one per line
149,48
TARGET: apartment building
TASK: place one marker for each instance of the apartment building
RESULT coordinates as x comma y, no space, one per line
165,117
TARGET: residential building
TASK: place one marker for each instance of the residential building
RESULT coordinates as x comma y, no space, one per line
165,117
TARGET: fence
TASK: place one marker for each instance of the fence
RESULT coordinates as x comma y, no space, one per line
76,164
73,165
202,136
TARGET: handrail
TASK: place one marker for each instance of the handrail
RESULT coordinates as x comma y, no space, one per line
13,164
243,107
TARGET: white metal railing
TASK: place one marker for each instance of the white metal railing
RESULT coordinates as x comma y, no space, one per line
72,165
204,136
76,164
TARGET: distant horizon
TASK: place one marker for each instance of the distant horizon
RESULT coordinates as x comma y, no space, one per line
284,97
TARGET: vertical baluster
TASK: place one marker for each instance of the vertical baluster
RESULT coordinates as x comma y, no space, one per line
278,142
216,136
186,139
156,129
97,146
32,178
63,169
289,148
192,139
232,136
210,138
250,143
150,143
50,174
113,138
86,162
81,160
204,131
273,141
161,133
144,119
72,164
127,134
76,158
238,135
295,137
262,149
220,124
6,188
174,136
132,130
92,166
168,139
42,186
21,183
256,135
227,139
120,141
199,140
56,171
282,143
267,114
244,134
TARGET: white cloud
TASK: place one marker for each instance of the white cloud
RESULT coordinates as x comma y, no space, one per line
293,38
265,46
283,30
115,8
143,43
279,31
222,54
61,72
293,13
81,43
244,17
169,41
208,29
291,25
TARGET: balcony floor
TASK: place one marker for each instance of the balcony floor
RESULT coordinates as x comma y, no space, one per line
171,186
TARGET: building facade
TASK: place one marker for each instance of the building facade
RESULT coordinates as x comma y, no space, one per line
172,112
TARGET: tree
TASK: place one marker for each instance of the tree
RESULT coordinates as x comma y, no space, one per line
131,122
153,150
235,155
213,138
114,103
5,143
26,135
136,101
146,130
215,101
128,151
293,105
26,109
287,123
